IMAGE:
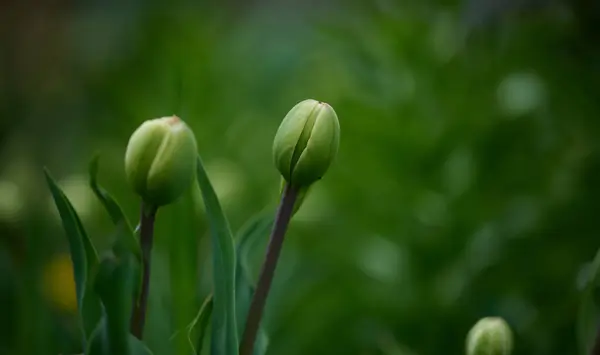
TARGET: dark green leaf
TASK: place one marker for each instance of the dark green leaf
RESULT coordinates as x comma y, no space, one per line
126,240
255,231
99,344
182,219
91,311
588,317
262,342
115,284
205,315
224,338
197,328
137,347
83,256
589,310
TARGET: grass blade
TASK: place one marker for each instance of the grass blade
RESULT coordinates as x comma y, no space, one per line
224,338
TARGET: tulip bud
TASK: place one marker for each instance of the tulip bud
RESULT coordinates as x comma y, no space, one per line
306,142
160,160
490,336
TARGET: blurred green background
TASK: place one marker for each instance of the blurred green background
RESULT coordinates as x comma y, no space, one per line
466,183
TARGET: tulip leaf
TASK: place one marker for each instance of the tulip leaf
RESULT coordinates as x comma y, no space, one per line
126,241
115,284
202,323
182,218
255,231
247,238
137,347
589,309
83,256
197,327
224,338
99,344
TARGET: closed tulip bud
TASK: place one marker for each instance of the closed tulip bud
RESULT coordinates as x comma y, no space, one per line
306,142
490,336
160,160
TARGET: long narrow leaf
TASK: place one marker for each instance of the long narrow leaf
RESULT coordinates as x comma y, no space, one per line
255,231
224,340
83,256
248,236
115,284
136,347
205,316
99,345
589,310
197,328
126,240
182,219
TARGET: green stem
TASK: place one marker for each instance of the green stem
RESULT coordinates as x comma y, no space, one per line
138,318
284,215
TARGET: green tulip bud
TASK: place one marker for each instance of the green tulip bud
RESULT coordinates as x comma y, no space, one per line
160,160
306,142
490,336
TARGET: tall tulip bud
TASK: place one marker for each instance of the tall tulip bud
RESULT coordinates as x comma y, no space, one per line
160,160
306,142
490,336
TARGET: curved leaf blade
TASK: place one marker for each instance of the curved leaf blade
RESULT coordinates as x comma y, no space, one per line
198,325
125,241
205,315
255,231
115,284
589,310
137,347
224,338
98,344
83,256
182,219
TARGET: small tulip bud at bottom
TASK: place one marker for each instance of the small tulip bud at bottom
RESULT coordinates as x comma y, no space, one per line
490,336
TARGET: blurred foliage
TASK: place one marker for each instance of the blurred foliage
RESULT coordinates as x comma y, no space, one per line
465,185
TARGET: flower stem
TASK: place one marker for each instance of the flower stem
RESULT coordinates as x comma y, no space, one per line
138,318
284,215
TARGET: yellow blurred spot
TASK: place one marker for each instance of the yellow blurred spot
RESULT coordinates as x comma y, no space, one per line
59,283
